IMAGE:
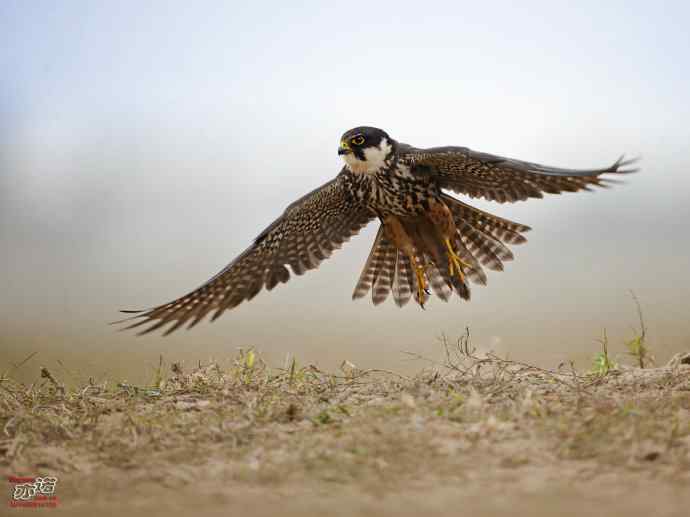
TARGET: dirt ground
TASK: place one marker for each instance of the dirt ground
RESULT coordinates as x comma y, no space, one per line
477,435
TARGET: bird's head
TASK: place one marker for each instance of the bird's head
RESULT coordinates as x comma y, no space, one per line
366,149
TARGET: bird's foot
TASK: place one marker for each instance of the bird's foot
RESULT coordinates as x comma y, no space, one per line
455,263
422,284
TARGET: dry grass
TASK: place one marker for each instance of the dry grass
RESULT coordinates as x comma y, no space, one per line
474,415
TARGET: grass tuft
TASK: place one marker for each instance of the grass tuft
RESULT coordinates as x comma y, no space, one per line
259,424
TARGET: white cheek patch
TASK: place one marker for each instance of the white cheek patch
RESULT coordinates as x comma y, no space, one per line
355,164
375,158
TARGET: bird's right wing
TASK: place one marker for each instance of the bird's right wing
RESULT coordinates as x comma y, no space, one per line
307,232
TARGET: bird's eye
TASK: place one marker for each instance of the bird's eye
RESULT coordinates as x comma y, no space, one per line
358,140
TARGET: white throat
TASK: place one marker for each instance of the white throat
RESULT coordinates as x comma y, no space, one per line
375,158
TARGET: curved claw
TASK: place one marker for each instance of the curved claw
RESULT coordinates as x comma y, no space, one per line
422,284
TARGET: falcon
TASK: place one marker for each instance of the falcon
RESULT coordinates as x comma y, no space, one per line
427,241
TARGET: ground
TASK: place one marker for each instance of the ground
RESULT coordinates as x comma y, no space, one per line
478,435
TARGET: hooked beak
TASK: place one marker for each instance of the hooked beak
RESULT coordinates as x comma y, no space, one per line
344,149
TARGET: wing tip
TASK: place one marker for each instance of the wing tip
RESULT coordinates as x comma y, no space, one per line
622,165
137,314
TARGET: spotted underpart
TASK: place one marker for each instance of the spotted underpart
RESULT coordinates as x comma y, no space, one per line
397,183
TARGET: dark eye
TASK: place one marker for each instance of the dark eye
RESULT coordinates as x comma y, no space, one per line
358,140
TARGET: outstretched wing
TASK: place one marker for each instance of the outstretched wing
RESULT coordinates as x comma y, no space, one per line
496,178
307,232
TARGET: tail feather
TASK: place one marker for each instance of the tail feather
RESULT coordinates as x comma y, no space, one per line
371,267
403,284
384,279
480,242
504,230
484,234
461,287
489,251
440,283
454,282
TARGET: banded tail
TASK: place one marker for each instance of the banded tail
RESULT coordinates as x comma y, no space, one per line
480,240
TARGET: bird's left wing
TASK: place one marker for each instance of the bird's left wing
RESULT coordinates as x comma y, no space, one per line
496,178
307,232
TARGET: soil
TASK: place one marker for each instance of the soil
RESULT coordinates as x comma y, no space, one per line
477,435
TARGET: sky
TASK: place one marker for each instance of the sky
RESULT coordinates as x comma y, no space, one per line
144,145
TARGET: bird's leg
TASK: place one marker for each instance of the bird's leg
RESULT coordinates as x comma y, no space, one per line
401,239
420,268
455,263
442,218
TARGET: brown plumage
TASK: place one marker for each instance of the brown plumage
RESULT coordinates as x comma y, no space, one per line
309,230
496,178
428,241
481,241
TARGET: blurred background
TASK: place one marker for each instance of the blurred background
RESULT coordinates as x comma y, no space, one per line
143,145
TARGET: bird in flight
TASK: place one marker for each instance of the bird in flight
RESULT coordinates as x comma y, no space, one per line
428,241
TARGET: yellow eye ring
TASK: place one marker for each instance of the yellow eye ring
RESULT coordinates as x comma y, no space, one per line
358,140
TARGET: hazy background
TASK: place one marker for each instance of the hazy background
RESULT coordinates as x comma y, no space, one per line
143,145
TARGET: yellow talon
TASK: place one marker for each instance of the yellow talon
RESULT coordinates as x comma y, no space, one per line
455,263
422,287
